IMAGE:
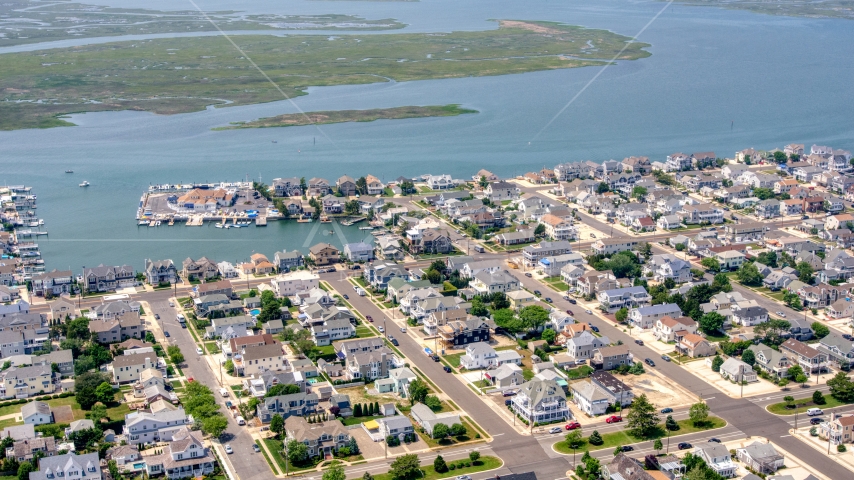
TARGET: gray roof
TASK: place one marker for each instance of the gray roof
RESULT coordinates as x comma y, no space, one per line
536,389
620,291
34,408
480,347
758,450
660,309
714,450
70,462
589,391
395,422
84,424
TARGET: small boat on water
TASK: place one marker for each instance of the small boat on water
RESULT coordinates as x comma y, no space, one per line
157,224
366,228
69,171
84,184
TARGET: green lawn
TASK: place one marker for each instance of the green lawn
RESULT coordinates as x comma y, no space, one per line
454,359
8,423
580,372
483,464
211,347
275,448
807,403
363,331
116,412
717,337
357,420
623,437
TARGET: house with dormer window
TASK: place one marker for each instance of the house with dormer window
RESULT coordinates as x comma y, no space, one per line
146,427
184,457
321,439
69,467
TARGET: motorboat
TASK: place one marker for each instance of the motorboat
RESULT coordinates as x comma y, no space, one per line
84,184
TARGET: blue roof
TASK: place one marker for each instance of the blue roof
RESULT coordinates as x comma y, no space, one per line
545,261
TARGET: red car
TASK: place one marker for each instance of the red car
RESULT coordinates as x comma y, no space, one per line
613,419
572,425
190,379
370,319
570,312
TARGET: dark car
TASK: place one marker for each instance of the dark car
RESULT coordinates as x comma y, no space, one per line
649,362
805,217
665,358
572,301
528,274
666,410
548,300
447,369
847,337
509,393
508,402
715,440
435,358
394,342
816,420
627,448
346,297
570,312
167,334
684,445
639,342
538,293
157,316
594,328
370,318
356,267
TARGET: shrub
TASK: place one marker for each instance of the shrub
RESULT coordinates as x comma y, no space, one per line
452,467
841,448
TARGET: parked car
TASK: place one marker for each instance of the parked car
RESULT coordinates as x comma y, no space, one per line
228,449
199,351
171,304
572,301
256,448
684,445
639,342
403,329
166,334
228,404
666,358
370,318
509,393
435,358
715,440
508,402
847,337
393,341
614,419
157,316
572,425
649,362
538,293
548,300
781,314
555,430
666,410
528,274
381,329
346,297
588,312
594,328
627,448
447,369
463,477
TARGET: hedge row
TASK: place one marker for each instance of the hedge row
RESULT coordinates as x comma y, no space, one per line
40,399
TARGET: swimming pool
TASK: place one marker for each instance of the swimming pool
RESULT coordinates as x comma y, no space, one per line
138,466
254,312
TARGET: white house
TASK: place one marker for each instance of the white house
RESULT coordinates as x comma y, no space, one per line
645,317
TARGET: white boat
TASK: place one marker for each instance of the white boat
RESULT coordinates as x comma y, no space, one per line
84,184
219,225
366,228
157,224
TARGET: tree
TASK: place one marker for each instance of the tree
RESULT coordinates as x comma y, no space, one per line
712,264
98,413
506,319
763,193
716,363
367,476
24,470
85,386
805,272
282,389
458,430
595,438
818,398
540,230
439,465
711,322
721,283
78,329
229,366
574,439
548,335
749,275
768,258
748,357
642,419
440,431
671,424
772,330
820,330
405,467
639,192
698,413
602,188
336,472
622,314
802,379
474,456
175,354
417,391
104,393
478,309
657,446
277,424
841,388
297,452
618,450
794,371
214,425
533,316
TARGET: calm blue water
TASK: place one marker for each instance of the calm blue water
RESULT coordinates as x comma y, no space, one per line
779,79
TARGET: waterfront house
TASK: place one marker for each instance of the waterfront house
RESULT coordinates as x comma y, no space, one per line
346,186
286,187
55,282
146,427
373,185
358,252
324,254
318,187
203,200
541,401
286,261
106,278
201,269
227,270
70,466
160,272
439,182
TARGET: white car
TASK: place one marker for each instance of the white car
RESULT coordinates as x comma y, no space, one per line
555,430
463,477
588,312
781,314
171,304
200,351
381,329
228,449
